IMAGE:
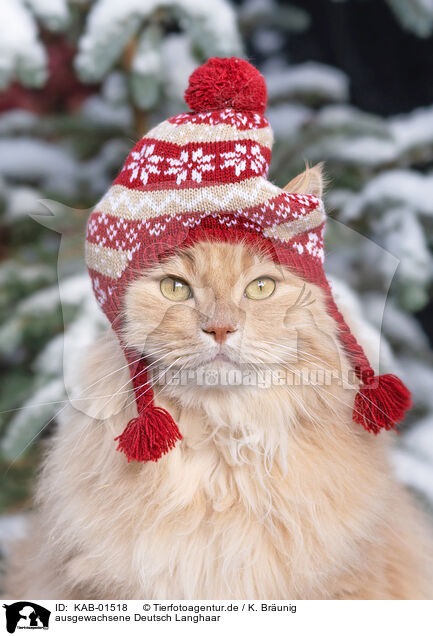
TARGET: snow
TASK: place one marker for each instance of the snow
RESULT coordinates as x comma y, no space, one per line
399,326
283,17
22,201
73,291
287,119
10,337
414,15
414,129
17,121
44,301
146,77
147,58
15,271
49,361
418,374
177,63
256,8
79,336
397,203
379,142
367,334
413,472
343,118
101,113
310,80
21,54
115,88
53,13
58,361
54,168
29,160
111,24
420,438
12,528
268,41
61,354
402,187
370,151
34,415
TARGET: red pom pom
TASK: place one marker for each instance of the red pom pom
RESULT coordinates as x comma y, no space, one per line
226,82
381,402
148,436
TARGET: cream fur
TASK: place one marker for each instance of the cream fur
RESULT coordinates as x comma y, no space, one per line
272,493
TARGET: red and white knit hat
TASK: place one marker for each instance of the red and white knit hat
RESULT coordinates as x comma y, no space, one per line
202,175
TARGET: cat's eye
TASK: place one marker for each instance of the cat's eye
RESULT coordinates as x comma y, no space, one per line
260,288
175,289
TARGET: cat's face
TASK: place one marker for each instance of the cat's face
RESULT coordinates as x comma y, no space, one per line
219,307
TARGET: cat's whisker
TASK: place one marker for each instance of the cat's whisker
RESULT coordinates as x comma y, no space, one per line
44,427
120,391
31,406
320,387
309,415
286,346
135,398
165,386
345,383
292,393
295,350
126,406
303,357
107,375
350,405
136,375
313,366
75,399
34,437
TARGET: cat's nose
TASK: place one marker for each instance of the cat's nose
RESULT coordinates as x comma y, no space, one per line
220,333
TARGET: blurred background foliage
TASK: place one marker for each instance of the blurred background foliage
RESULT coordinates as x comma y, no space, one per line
81,81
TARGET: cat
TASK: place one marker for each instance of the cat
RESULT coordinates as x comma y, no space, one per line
274,492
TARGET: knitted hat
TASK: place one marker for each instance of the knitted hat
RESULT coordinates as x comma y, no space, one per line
202,175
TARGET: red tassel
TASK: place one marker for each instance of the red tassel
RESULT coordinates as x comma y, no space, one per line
149,435
381,403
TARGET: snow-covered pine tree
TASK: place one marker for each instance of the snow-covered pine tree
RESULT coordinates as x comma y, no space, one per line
380,193
115,69
67,144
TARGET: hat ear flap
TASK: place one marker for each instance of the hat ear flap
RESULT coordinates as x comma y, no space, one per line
381,401
311,181
153,432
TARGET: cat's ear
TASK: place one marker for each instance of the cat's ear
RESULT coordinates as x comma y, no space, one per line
311,181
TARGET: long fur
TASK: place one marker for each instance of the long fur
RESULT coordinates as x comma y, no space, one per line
273,492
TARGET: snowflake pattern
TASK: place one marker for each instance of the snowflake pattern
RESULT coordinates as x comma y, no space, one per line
142,163
130,226
314,246
228,116
101,296
241,159
127,235
191,164
152,163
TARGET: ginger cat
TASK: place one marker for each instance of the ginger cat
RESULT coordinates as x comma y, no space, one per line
274,492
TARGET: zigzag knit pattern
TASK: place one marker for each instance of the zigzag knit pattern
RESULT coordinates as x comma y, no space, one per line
202,175
188,168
